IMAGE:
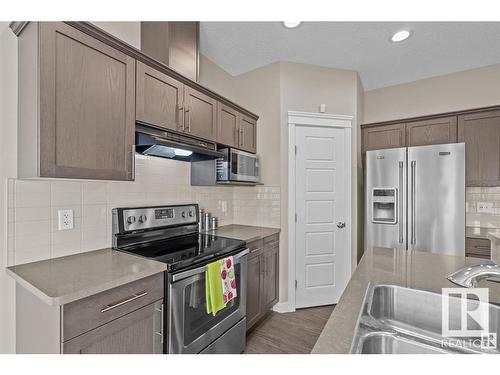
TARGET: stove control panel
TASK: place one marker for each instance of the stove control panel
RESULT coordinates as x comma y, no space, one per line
140,218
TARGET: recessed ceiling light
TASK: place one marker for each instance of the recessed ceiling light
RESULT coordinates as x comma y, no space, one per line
400,36
291,24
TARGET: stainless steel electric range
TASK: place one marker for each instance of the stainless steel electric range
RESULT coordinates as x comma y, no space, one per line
169,234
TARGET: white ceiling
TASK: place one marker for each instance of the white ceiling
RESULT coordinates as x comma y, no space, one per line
433,49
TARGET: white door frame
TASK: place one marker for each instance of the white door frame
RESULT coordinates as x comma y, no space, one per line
315,120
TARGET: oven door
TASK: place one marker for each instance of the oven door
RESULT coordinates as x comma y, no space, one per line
190,327
243,166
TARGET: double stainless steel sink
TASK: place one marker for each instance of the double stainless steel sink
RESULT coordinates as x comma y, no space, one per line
399,320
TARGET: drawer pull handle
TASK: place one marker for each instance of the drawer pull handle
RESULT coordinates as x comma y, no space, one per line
121,303
483,247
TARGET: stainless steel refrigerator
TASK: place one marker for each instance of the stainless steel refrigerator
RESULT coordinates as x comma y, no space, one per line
415,198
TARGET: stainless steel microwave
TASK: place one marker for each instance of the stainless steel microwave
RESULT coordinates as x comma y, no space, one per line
237,165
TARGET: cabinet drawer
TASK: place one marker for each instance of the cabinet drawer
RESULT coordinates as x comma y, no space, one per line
255,247
139,332
477,247
91,312
271,241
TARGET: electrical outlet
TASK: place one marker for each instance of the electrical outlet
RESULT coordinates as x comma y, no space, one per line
65,219
485,207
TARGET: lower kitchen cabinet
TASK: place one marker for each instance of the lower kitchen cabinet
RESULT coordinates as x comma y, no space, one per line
139,332
124,320
262,278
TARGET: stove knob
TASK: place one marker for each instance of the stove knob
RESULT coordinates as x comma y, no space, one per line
191,213
143,218
131,220
183,214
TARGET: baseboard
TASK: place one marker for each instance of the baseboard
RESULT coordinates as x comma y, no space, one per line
283,307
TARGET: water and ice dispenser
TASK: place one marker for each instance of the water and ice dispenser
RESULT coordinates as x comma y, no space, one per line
384,205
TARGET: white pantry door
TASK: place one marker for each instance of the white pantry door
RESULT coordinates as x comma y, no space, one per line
320,193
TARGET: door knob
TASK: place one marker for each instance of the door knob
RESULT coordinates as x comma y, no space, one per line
341,224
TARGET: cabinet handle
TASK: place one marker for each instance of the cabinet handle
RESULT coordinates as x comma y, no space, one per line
188,112
483,247
121,303
161,324
180,124
133,162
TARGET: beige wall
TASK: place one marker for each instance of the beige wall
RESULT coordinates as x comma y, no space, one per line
216,78
303,88
457,91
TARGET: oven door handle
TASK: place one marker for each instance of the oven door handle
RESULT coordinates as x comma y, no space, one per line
189,273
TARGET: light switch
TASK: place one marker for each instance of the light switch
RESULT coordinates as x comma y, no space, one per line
65,219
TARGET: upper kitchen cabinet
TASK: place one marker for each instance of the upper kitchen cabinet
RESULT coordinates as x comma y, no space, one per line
227,125
76,105
481,133
247,139
159,98
383,136
175,44
234,129
200,114
431,132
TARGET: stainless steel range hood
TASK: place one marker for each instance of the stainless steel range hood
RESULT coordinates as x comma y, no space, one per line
162,143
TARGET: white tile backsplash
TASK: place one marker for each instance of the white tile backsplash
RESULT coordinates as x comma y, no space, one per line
473,195
33,206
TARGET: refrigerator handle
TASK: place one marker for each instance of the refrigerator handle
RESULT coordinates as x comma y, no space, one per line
413,167
401,238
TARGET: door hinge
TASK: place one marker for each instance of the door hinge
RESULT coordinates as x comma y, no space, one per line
295,150
295,284
296,216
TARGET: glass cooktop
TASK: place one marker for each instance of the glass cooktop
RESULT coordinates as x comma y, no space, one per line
185,251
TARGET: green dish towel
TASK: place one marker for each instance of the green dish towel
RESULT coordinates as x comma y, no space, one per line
213,288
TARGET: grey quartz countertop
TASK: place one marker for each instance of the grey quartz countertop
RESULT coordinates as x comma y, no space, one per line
246,233
481,232
62,280
414,269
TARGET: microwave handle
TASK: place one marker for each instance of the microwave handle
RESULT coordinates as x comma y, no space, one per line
189,273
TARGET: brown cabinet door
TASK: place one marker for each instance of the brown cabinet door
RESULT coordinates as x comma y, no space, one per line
384,136
481,134
254,288
271,276
139,332
431,132
200,117
248,134
87,106
158,98
227,125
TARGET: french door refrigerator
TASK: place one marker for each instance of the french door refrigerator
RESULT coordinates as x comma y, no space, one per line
415,198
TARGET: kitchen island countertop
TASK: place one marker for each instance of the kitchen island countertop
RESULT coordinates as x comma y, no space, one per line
481,232
413,269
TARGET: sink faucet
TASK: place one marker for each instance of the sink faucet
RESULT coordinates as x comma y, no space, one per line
469,276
